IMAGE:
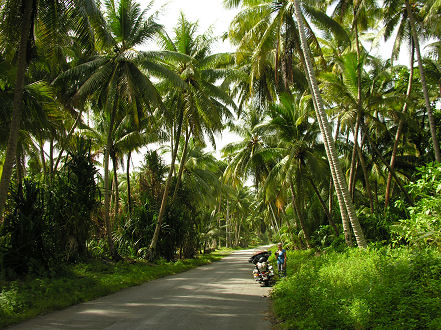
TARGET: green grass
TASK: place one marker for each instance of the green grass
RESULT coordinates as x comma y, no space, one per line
29,297
360,289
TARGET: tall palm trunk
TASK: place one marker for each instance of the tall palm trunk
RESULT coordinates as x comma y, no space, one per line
129,192
353,171
227,223
69,135
331,186
19,164
116,188
322,203
17,105
399,130
299,216
359,107
154,242
43,159
107,190
392,171
338,191
339,180
365,175
182,164
51,158
435,143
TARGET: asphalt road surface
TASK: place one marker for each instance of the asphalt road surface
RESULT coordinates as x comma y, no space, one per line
222,295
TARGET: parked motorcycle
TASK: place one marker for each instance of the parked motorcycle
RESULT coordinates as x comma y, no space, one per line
263,271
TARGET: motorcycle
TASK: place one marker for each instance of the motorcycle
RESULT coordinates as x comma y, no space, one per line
263,271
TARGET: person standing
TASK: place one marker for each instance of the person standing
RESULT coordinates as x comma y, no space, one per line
281,260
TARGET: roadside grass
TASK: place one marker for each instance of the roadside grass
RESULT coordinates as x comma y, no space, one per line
360,289
26,298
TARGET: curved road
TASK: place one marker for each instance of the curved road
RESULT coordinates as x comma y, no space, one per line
222,295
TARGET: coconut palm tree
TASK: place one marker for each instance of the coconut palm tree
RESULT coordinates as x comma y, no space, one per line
299,167
268,40
361,15
201,107
245,157
31,17
116,77
406,15
346,205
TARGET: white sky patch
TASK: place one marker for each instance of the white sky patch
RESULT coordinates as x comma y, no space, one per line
210,14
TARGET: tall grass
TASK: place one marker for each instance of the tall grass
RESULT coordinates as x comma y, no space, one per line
360,289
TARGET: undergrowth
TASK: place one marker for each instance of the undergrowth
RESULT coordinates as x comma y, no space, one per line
360,289
31,296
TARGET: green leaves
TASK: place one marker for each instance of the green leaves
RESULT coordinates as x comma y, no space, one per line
423,227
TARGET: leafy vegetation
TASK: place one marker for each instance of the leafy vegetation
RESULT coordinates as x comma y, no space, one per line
423,227
360,289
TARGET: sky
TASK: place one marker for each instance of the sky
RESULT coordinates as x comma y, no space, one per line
208,13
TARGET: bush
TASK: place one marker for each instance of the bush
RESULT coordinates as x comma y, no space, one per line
22,236
424,225
49,224
361,289
178,236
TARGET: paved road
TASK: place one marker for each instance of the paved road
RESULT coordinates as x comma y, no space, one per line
221,295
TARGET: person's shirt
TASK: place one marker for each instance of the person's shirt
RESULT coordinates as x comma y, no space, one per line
281,256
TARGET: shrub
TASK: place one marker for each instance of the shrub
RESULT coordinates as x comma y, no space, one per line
49,224
361,289
22,236
424,225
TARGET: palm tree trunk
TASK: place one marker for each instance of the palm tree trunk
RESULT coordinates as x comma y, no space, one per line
354,182
17,105
69,135
154,242
129,193
43,159
392,171
299,216
116,188
339,181
275,221
353,171
359,109
51,157
227,223
322,203
107,190
399,130
365,175
182,164
343,212
219,217
331,206
436,149
19,169
237,238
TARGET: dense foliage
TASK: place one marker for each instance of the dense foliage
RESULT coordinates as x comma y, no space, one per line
361,289
423,227
50,223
